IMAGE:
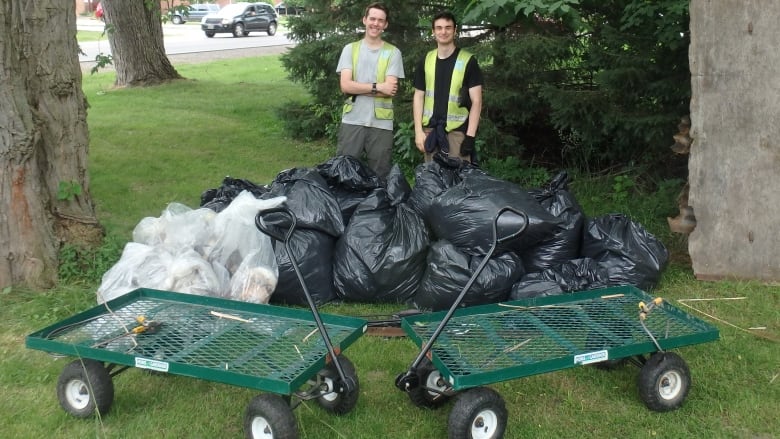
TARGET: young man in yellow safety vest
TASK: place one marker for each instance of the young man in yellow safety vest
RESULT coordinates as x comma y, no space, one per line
369,70
448,95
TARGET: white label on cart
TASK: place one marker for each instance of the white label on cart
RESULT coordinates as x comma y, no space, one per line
147,363
591,357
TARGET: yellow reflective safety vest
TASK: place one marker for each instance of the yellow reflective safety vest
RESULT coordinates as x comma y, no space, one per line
456,114
383,106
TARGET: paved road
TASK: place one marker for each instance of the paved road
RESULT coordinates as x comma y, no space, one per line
188,43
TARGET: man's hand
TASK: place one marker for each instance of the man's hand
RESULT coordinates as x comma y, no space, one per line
468,146
387,88
419,140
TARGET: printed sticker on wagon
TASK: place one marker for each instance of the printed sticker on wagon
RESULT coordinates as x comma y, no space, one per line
591,357
147,363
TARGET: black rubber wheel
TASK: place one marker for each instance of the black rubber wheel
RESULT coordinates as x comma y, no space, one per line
268,416
177,20
238,30
334,401
271,29
430,378
210,33
478,413
664,382
84,387
610,364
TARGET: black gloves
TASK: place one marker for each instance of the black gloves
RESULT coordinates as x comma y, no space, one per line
467,147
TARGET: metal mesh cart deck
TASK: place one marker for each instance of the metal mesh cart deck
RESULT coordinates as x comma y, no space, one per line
498,342
268,348
493,343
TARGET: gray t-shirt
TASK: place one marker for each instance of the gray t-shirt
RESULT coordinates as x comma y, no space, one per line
363,108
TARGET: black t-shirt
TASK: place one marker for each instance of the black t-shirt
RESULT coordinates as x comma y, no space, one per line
444,68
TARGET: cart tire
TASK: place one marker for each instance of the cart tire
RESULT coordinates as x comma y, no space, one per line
664,382
268,416
85,386
610,365
336,402
430,377
478,413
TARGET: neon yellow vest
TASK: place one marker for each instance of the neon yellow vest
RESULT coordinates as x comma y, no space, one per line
383,106
456,114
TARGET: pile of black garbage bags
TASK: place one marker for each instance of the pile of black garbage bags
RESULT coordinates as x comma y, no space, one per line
362,239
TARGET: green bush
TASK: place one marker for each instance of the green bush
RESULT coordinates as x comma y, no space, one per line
511,169
590,83
87,265
304,121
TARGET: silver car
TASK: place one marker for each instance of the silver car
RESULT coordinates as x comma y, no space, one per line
194,12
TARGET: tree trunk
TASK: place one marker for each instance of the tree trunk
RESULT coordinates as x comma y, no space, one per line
136,38
43,142
735,155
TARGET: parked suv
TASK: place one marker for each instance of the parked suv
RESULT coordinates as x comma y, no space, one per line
194,12
240,19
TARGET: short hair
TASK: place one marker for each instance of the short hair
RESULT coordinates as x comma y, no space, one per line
381,7
447,15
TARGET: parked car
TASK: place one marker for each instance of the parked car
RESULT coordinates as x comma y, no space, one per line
240,19
195,12
283,9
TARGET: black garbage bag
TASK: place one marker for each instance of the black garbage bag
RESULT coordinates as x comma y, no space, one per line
350,173
564,245
381,255
630,254
219,198
309,198
398,188
571,276
313,251
430,180
350,181
449,270
528,289
465,213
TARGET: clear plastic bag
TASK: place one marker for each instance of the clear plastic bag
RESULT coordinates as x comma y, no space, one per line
235,234
256,277
140,265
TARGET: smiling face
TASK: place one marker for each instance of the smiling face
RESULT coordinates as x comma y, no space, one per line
444,31
376,22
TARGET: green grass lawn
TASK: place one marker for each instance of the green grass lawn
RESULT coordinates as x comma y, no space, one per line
90,35
153,146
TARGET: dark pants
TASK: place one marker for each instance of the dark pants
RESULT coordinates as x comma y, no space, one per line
373,145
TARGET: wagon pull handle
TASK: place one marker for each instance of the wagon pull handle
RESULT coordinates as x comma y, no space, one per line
276,231
509,223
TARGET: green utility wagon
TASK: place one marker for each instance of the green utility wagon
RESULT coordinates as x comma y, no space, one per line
268,348
293,355
462,350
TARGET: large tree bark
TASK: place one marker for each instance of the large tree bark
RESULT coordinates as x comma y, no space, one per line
43,142
735,155
136,38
